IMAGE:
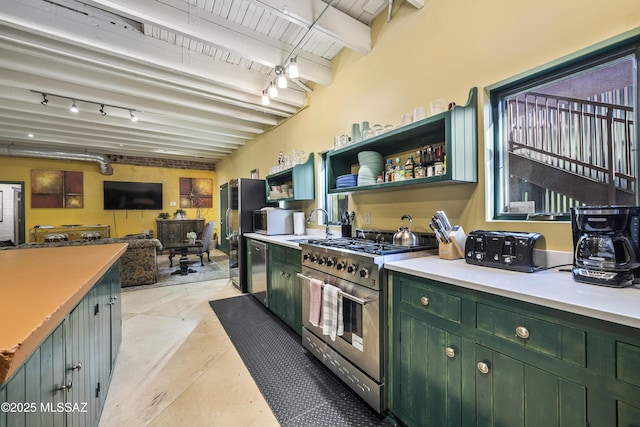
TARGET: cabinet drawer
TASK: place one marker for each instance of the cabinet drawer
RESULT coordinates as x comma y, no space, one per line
534,333
627,358
432,300
283,253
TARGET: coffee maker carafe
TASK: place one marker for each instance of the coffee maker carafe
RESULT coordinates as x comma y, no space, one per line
605,244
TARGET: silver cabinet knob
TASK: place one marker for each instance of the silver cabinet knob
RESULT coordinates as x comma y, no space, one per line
483,367
450,352
522,332
424,301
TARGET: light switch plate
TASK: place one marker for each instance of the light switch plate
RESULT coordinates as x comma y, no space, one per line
172,203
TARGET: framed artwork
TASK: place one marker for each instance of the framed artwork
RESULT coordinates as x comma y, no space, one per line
56,189
196,193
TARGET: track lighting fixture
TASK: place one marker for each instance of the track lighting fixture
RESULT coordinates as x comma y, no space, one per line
294,73
265,98
273,90
74,107
280,77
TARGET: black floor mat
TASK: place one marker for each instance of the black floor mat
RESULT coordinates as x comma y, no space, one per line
297,387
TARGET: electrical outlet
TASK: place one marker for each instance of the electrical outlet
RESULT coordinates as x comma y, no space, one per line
367,218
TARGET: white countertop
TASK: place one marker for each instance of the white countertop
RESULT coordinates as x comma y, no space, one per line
289,240
550,288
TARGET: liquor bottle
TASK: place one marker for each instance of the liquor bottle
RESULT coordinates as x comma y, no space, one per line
408,168
419,170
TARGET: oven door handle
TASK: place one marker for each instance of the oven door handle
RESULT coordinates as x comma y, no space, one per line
361,301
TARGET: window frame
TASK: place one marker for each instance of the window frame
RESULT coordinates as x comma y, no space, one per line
552,72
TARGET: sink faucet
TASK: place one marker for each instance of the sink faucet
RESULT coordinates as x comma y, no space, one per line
327,231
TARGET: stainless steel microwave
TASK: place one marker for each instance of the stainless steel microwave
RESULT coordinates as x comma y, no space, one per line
272,221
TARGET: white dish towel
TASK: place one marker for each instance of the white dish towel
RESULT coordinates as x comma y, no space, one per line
332,321
315,301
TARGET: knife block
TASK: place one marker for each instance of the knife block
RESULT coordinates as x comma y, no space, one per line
455,249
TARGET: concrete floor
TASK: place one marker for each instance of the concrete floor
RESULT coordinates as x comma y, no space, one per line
176,365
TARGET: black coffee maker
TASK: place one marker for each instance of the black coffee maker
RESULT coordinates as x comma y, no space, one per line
605,242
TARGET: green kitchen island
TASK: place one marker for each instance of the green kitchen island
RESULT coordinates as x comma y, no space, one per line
60,332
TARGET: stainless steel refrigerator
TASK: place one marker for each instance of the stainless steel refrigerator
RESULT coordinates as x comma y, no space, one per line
245,196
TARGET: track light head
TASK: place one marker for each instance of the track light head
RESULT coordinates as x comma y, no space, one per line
104,113
273,90
134,118
44,101
281,79
294,73
73,108
265,98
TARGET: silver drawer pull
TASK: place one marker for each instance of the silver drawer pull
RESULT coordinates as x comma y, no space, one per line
450,352
424,301
77,366
483,367
522,332
67,386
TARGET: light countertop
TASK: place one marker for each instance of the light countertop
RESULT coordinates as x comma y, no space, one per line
550,288
288,240
39,287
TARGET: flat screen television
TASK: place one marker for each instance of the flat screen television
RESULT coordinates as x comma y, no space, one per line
132,195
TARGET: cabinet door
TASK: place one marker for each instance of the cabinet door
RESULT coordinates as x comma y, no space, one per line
512,393
115,315
281,291
426,371
79,343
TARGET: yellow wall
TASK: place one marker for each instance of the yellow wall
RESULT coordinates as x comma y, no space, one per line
121,222
440,51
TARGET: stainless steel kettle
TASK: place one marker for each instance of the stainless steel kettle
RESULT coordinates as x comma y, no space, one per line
404,236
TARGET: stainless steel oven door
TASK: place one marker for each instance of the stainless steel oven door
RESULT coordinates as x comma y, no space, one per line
360,342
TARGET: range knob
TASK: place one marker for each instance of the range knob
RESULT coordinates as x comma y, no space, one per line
364,272
351,268
341,266
322,261
331,262
306,257
313,258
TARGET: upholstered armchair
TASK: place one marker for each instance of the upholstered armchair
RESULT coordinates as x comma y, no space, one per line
203,245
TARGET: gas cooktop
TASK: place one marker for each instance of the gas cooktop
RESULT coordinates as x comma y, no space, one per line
367,246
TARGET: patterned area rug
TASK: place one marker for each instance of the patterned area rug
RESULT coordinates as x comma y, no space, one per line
217,268
299,389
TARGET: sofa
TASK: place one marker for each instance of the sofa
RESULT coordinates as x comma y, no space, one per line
138,266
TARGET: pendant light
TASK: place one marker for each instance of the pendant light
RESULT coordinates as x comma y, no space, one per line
281,79
265,98
73,108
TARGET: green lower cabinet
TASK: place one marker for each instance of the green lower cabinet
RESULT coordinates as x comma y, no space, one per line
512,393
460,357
428,390
285,294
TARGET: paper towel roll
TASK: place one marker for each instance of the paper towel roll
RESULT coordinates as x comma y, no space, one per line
298,223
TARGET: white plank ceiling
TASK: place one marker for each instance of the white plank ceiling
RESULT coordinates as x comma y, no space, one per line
192,71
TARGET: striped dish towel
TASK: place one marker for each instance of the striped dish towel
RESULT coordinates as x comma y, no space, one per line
332,317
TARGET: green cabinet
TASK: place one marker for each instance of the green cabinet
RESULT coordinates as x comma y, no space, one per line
299,182
461,357
456,129
285,294
66,378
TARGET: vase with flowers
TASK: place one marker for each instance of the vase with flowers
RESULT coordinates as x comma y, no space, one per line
191,236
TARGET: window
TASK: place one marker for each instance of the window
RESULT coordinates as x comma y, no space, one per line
568,137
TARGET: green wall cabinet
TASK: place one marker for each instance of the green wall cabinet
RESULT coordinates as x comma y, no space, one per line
285,294
456,128
300,177
65,380
460,357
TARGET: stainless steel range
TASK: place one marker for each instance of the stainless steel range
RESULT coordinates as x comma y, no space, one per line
355,266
